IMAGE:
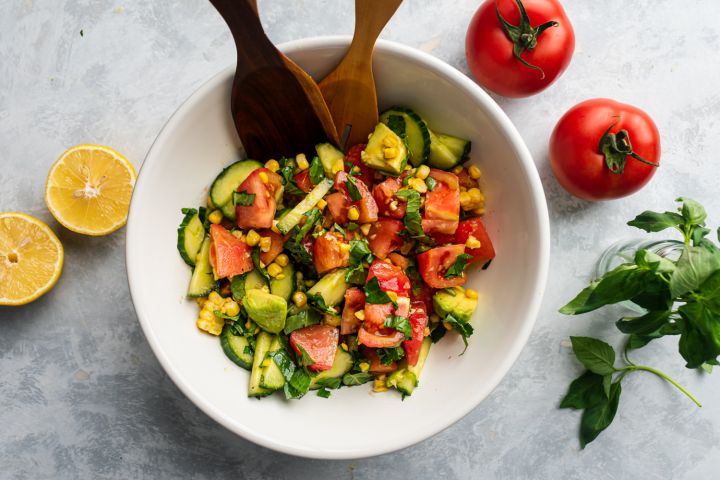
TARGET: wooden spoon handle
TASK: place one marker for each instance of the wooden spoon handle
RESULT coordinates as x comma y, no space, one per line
371,16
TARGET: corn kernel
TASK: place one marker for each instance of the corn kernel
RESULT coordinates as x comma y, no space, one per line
479,211
265,243
457,170
474,172
389,141
215,217
264,177
215,297
201,301
434,318
232,308
364,367
321,204
353,213
344,346
420,186
344,247
465,200
207,315
473,242
390,152
360,315
337,167
365,228
266,363
309,283
282,260
476,195
210,204
426,332
447,326
299,299
422,172
393,205
272,165
213,327
252,238
274,269
472,294
393,296
302,161
379,385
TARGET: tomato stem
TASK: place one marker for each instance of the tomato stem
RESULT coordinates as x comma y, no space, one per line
524,36
617,147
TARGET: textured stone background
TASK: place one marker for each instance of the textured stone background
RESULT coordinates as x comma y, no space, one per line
81,395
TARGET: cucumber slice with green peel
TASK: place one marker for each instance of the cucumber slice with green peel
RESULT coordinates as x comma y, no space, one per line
284,287
417,133
271,377
406,378
191,234
262,347
202,281
293,217
342,364
227,182
331,287
237,348
446,151
332,159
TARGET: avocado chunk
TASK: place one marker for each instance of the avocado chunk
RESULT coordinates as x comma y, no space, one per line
453,301
331,158
386,151
267,310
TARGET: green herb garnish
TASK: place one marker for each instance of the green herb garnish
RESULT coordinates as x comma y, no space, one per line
401,324
374,294
457,268
353,189
243,198
317,173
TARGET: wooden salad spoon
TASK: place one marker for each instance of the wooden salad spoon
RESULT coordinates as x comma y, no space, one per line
349,90
273,114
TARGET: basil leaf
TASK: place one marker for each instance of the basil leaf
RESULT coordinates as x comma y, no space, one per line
255,255
646,325
438,333
389,355
653,261
431,183
305,359
401,324
340,230
351,379
692,211
324,393
585,391
317,302
237,287
243,198
598,417
353,189
287,168
297,380
317,173
596,355
694,266
302,319
360,252
396,123
457,268
374,294
412,219
656,222
463,328
329,382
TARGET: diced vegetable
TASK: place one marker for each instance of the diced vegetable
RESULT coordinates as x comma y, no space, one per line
293,217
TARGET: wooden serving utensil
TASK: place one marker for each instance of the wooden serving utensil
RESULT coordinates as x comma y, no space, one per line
349,90
273,114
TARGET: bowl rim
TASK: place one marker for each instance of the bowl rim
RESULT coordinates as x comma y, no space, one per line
541,213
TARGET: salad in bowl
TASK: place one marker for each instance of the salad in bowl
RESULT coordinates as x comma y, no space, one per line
332,270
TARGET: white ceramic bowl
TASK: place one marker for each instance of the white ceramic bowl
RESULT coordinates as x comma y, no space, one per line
199,140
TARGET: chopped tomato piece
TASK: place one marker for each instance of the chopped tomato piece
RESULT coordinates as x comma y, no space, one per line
442,204
354,302
338,205
229,255
385,338
276,245
366,206
319,341
399,261
384,236
389,205
328,252
390,277
302,180
376,366
434,263
422,293
476,228
353,157
375,315
261,213
418,321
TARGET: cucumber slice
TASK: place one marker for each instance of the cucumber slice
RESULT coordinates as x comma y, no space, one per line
262,346
331,158
202,281
271,377
406,378
447,151
240,284
191,234
227,182
292,218
331,287
417,133
342,364
237,348
285,286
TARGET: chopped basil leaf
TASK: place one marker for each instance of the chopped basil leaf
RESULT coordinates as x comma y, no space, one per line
456,270
317,302
255,255
323,393
243,198
431,183
413,219
463,328
390,355
374,294
330,382
340,230
302,319
351,379
316,171
401,324
297,380
353,190
305,359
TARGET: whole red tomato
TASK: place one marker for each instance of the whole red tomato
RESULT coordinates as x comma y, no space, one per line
517,49
602,149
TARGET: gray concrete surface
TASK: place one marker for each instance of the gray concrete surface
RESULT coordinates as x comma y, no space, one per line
81,395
